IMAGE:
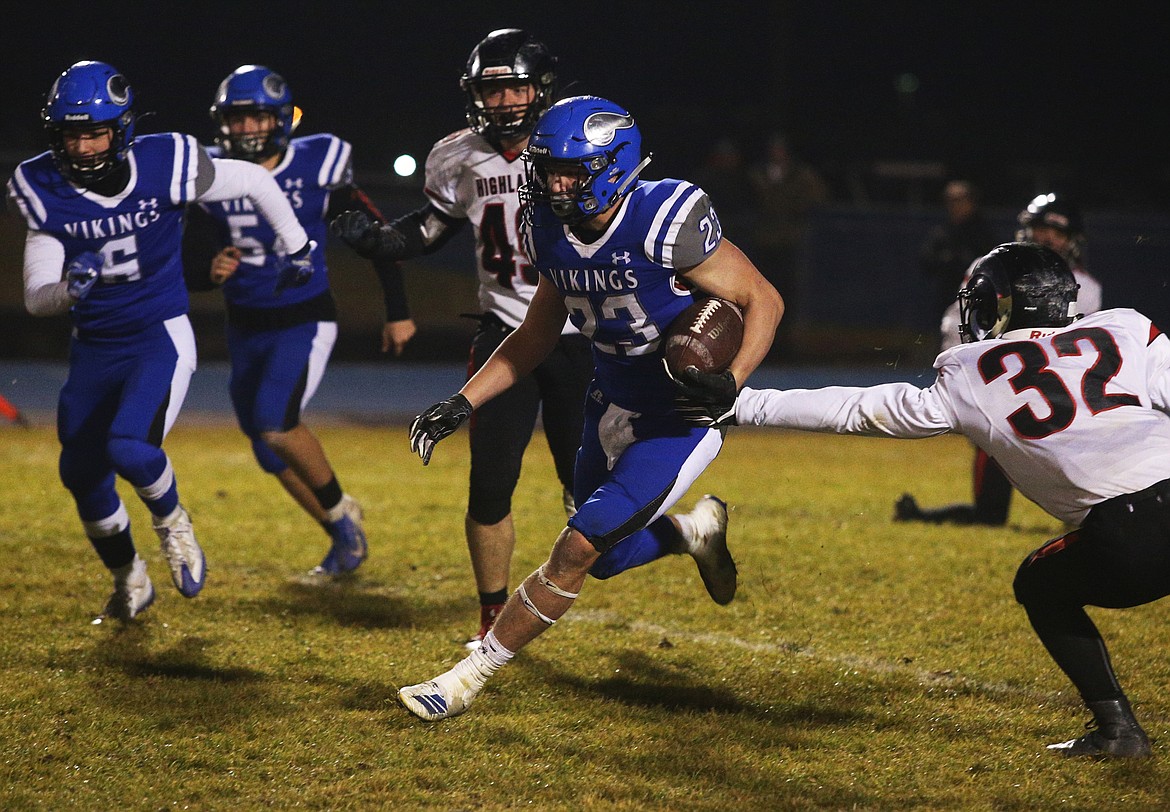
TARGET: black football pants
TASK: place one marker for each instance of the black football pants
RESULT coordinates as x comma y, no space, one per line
501,428
1119,558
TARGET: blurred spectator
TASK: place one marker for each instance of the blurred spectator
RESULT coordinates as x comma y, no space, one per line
952,246
1055,222
785,189
723,176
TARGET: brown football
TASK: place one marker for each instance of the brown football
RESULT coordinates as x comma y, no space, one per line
706,335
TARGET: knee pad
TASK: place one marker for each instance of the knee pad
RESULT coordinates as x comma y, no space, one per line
488,505
136,461
269,462
1025,586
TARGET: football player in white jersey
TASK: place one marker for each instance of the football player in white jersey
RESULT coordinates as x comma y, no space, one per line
620,257
1055,222
472,176
1077,413
105,220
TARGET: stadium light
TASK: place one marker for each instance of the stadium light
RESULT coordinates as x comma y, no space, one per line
404,166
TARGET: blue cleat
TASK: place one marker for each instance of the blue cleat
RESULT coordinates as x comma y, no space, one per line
349,547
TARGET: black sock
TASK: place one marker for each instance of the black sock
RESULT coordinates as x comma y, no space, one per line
493,598
116,550
329,494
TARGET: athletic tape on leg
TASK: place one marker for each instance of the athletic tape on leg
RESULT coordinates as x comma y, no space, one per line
543,580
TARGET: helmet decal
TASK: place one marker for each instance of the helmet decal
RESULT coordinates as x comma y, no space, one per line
601,128
118,89
274,86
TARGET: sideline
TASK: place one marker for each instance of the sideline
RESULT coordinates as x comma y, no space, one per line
381,393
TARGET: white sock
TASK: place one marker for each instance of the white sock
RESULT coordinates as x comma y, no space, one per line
337,512
491,656
686,528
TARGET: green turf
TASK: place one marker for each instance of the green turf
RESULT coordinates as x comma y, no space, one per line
863,665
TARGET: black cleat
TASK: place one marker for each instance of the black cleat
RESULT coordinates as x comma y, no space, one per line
1118,734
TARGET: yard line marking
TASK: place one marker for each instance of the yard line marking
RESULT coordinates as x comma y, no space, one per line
856,662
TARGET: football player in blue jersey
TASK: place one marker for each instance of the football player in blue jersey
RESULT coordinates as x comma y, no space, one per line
621,257
279,344
104,209
471,177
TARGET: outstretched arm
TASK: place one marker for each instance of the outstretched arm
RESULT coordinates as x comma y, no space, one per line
899,410
234,179
399,328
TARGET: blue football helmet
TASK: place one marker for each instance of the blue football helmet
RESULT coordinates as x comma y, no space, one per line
89,96
590,136
253,89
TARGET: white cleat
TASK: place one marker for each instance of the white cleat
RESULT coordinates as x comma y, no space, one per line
709,548
133,593
182,551
447,695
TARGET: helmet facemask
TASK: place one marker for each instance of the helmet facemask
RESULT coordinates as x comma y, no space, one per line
254,146
985,308
503,122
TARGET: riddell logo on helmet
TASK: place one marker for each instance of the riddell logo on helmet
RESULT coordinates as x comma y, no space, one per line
77,117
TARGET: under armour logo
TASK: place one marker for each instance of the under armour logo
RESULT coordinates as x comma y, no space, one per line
294,183
148,203
621,258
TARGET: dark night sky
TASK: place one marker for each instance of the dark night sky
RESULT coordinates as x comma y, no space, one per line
1075,87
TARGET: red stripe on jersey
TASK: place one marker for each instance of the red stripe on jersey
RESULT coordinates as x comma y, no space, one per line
362,199
1154,333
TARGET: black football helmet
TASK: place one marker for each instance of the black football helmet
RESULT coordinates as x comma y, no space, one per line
1054,211
1016,285
508,54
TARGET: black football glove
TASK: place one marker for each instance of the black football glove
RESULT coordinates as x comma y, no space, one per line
437,422
706,398
367,238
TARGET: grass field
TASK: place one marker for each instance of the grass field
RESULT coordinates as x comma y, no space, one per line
863,665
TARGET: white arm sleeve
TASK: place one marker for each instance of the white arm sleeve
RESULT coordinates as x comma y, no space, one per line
1158,372
235,179
45,292
888,410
